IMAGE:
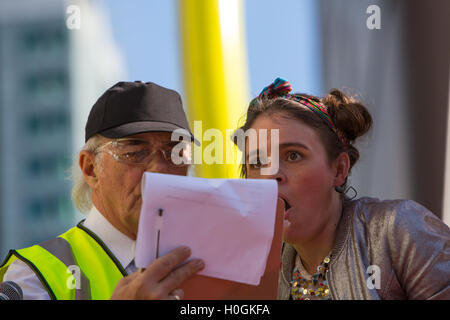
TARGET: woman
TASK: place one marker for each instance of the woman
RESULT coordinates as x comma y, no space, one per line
334,247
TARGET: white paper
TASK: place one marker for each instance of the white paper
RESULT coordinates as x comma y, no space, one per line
229,223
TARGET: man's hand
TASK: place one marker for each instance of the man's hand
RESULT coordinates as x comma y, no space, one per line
160,280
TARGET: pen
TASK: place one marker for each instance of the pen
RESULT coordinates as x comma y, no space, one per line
158,226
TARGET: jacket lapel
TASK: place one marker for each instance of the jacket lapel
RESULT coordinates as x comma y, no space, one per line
288,263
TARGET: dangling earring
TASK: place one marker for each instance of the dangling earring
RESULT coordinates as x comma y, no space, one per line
341,188
354,190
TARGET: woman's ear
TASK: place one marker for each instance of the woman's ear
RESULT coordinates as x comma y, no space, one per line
342,166
88,167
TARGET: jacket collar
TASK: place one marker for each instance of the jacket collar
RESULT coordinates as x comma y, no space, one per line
342,230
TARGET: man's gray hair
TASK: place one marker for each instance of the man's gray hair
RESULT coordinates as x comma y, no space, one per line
81,191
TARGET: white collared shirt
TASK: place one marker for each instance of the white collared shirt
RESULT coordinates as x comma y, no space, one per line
119,244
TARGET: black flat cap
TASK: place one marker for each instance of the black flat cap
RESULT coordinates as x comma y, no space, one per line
129,108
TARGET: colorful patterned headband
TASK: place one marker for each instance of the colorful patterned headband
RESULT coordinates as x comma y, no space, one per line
280,88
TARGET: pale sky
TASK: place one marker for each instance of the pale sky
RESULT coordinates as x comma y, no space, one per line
282,41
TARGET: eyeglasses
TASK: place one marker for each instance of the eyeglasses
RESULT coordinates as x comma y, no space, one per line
141,152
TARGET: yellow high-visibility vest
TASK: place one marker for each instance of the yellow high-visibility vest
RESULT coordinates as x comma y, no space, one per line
77,265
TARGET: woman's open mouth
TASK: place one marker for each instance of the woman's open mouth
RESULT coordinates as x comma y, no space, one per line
287,205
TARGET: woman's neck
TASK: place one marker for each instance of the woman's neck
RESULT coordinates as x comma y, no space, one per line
313,252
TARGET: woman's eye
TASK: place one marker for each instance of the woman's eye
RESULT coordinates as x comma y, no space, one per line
293,156
255,164
259,163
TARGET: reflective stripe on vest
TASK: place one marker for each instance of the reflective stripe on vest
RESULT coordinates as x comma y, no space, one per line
76,265
61,249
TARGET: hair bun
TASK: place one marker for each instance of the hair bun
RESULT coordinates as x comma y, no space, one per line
350,116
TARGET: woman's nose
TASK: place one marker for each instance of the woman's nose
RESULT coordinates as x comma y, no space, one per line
280,177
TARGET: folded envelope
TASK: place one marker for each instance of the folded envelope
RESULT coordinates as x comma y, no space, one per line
229,223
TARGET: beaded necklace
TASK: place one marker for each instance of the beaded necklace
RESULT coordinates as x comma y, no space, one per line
317,286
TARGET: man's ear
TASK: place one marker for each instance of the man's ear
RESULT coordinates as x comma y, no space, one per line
342,166
88,167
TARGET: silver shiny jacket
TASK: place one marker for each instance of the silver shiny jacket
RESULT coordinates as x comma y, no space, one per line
393,249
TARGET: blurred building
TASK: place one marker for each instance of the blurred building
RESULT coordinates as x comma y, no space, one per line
50,76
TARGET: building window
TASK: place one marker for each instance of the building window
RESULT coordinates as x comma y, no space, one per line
49,166
50,206
46,88
44,42
47,122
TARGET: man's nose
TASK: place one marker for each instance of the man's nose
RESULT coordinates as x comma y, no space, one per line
158,163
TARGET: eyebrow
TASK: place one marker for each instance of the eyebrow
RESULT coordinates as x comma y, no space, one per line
133,141
293,144
138,141
282,146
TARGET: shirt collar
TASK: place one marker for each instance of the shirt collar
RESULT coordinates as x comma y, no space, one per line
119,244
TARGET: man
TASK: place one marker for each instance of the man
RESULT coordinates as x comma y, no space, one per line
128,132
